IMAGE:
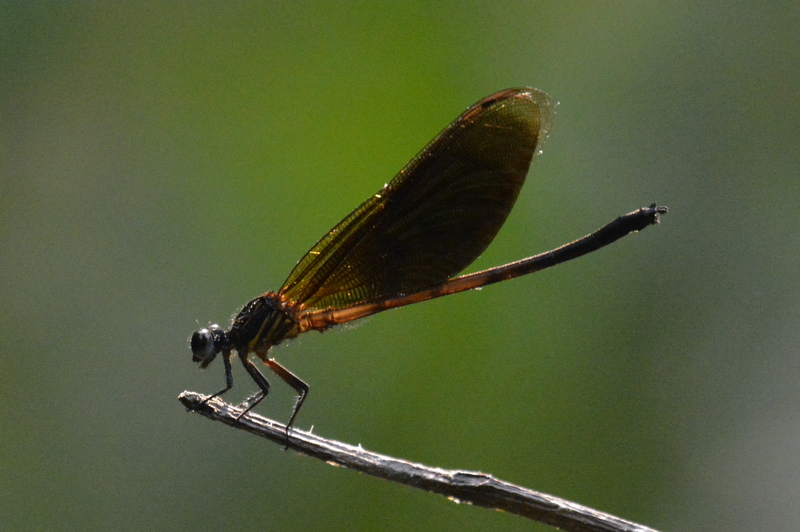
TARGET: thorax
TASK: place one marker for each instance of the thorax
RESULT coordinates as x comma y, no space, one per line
264,322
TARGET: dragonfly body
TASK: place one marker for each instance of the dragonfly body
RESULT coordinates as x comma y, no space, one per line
406,243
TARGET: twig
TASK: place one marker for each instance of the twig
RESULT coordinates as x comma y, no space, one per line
469,487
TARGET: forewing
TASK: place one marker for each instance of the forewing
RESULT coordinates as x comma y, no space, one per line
437,215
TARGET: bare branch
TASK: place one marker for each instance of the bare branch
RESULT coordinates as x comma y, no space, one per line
468,487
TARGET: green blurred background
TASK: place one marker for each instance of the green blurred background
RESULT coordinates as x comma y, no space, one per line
161,164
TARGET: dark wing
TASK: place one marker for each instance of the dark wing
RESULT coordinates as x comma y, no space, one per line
437,215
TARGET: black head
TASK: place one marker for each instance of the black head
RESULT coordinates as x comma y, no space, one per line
207,343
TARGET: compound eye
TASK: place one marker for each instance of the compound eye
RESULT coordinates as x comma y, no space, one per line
203,346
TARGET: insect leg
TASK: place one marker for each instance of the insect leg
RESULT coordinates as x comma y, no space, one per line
226,359
260,380
295,382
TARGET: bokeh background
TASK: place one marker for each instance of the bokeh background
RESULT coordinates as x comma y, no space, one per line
161,164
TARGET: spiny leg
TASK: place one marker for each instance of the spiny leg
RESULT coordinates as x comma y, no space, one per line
260,380
226,359
296,383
